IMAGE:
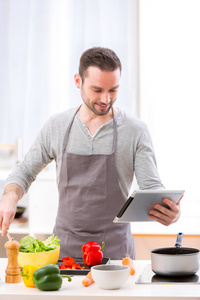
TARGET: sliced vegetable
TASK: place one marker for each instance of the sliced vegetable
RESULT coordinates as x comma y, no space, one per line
48,278
69,263
32,245
88,279
27,275
92,253
127,261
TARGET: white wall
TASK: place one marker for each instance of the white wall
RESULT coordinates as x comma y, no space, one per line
41,44
169,66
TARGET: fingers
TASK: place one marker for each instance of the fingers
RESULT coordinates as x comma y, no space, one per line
5,222
173,206
4,229
8,207
163,215
160,218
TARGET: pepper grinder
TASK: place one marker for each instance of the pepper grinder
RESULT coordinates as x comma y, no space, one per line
13,270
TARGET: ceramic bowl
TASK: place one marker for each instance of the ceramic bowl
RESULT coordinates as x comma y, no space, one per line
110,277
39,258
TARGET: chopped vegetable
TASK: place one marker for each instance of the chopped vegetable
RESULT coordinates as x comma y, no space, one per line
69,263
88,279
27,275
127,261
52,242
92,253
48,278
32,245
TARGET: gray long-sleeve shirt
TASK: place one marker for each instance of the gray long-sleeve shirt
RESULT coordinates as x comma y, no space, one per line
134,152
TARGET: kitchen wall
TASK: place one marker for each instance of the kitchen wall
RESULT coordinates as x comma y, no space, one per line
168,83
145,243
42,44
17,237
169,76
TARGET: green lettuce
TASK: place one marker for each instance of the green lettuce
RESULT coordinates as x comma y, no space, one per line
29,244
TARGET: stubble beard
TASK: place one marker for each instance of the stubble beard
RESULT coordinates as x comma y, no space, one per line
99,112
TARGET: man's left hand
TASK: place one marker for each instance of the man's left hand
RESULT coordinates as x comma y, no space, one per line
166,216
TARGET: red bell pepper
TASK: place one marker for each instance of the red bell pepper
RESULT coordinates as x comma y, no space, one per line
69,263
92,253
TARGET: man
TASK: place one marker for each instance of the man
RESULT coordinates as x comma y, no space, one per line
97,148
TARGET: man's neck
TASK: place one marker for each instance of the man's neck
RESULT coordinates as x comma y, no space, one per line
93,121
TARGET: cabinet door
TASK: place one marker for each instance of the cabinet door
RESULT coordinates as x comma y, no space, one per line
43,205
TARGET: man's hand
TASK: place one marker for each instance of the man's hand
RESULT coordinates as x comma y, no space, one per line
166,216
8,206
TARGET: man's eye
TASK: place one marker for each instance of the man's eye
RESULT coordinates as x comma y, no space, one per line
97,91
113,91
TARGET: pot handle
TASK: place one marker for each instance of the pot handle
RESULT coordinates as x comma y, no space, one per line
179,238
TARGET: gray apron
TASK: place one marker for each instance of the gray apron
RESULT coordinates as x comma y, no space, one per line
89,199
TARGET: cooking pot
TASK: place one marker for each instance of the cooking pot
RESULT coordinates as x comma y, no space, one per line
19,212
175,261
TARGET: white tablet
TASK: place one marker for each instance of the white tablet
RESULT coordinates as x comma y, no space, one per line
136,208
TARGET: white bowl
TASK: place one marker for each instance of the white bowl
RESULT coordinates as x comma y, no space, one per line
110,277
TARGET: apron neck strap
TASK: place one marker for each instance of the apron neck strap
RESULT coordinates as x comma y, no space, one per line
115,131
114,125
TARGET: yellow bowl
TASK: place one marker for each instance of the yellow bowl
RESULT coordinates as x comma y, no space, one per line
39,258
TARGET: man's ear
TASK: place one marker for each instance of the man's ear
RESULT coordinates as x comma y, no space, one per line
77,80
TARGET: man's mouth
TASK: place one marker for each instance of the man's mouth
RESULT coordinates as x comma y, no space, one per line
103,106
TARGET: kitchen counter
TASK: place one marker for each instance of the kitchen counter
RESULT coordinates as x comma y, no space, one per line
74,290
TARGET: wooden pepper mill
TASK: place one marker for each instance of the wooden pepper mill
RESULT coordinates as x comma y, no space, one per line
13,270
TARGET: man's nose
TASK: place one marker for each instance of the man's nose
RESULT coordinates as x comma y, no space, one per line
105,98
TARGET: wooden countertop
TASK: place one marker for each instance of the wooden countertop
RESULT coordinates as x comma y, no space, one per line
74,290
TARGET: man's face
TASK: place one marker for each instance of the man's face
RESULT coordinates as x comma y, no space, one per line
99,89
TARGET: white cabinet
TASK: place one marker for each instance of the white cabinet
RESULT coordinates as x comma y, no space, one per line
43,205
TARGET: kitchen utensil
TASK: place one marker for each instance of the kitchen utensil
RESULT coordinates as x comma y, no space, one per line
175,261
12,270
19,212
110,277
38,258
9,237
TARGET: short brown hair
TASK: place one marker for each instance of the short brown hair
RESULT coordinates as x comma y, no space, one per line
103,58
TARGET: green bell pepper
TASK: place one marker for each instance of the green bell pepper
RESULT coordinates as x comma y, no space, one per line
48,278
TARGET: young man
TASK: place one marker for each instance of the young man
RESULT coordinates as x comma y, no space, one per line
97,148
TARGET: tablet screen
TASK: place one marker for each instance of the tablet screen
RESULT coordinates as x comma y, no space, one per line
136,208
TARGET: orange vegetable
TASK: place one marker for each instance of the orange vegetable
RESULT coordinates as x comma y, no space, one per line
88,279
127,261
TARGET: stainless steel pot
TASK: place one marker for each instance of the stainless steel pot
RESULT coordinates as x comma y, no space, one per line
175,261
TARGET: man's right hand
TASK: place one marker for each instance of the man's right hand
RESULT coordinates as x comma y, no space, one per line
8,206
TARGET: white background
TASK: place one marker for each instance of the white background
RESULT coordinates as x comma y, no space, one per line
158,43
169,76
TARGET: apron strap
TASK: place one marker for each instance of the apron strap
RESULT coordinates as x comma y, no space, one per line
68,129
114,125
115,131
